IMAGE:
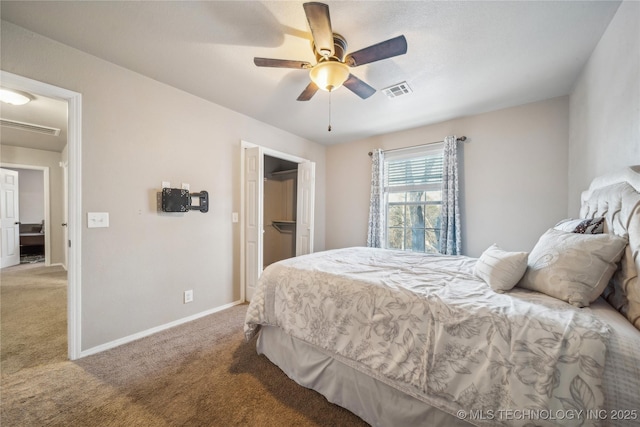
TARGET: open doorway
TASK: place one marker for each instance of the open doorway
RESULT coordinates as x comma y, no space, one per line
34,284
33,290
277,212
63,224
31,215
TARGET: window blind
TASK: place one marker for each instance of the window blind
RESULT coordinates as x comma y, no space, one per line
416,171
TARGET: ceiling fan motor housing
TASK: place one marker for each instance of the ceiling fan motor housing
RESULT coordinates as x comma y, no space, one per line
339,48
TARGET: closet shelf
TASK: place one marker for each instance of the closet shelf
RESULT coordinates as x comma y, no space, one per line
285,172
277,224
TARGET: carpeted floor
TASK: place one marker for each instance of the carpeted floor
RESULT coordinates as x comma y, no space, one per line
198,374
33,316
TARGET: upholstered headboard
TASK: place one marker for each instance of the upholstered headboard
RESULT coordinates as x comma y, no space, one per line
616,196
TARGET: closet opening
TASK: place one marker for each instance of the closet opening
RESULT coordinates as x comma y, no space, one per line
277,210
280,208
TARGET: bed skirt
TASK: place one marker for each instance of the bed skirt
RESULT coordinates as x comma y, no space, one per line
375,402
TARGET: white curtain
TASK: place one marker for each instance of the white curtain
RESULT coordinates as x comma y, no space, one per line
450,237
375,234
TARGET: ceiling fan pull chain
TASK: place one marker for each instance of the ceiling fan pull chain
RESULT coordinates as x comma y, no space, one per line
329,129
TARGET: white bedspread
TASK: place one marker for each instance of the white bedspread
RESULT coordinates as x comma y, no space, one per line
426,325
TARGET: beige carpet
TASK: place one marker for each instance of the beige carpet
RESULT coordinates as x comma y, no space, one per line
198,374
33,316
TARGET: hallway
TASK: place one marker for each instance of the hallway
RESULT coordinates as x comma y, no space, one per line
33,319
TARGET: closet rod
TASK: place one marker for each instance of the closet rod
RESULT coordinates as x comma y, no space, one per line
462,139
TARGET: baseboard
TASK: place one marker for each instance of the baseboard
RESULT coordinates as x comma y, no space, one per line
115,343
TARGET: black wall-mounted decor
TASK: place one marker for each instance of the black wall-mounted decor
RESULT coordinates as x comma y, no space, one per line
203,202
179,200
175,200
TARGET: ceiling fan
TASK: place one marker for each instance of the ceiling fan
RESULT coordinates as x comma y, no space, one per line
332,68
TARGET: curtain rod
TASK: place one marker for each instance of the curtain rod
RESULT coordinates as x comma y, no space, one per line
462,138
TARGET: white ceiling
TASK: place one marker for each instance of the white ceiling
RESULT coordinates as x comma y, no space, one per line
41,111
463,58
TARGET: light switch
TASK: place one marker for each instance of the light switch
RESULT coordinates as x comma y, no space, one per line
97,219
234,217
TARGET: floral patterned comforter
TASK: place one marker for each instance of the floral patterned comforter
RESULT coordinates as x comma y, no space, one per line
427,326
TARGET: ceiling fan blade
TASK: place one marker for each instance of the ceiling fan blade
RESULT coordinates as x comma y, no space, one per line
359,87
387,49
308,92
320,25
280,63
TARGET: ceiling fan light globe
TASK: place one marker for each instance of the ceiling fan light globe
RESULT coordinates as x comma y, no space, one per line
329,75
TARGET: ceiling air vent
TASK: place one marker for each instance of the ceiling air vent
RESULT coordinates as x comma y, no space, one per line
30,127
397,90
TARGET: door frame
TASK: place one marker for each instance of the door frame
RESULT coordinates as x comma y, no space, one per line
47,201
65,213
74,192
265,151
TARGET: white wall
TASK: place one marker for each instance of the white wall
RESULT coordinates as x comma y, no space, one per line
605,105
514,167
136,133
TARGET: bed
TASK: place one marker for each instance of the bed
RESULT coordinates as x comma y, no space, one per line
413,339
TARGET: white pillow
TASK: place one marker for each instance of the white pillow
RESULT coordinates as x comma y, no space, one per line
500,269
573,267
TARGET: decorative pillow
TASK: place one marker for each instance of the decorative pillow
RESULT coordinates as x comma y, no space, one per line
583,226
501,270
573,267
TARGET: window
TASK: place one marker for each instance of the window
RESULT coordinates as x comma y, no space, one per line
413,198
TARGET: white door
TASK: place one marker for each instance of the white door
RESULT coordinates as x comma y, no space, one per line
304,217
10,218
254,188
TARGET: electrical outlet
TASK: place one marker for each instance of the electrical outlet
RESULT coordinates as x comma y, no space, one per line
188,296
